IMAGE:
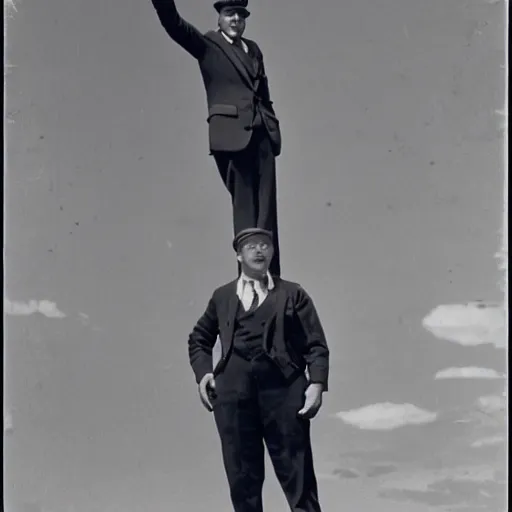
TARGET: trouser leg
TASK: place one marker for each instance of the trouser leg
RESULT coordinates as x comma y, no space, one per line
238,422
250,178
288,441
267,197
239,174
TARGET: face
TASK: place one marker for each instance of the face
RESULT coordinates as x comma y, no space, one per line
255,255
232,22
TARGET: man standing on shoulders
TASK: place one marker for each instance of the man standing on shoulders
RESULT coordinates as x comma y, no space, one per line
270,334
244,133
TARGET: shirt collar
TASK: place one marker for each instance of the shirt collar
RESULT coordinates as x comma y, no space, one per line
243,279
226,37
230,41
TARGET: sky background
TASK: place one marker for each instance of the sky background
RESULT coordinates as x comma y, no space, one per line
118,228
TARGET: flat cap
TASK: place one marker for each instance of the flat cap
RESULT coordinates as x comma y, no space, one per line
243,235
232,4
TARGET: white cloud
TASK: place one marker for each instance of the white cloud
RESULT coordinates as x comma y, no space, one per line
9,3
503,118
502,253
422,478
488,441
84,318
469,324
8,426
468,372
488,412
386,416
45,307
492,404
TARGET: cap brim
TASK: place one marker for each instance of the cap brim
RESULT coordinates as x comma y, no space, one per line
244,12
239,241
241,10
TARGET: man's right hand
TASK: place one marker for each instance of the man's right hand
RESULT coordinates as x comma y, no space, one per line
207,390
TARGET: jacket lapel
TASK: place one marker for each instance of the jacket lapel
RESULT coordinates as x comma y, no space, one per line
231,311
272,324
233,303
246,59
252,58
232,55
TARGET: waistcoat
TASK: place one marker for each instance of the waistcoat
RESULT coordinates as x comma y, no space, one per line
250,327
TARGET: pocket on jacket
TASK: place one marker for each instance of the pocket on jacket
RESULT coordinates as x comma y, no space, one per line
220,109
297,361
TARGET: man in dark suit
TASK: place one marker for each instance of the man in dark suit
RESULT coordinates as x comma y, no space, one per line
244,133
270,335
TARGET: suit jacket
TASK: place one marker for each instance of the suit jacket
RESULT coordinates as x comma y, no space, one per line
234,88
293,337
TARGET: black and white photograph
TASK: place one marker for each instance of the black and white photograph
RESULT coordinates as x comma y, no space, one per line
255,256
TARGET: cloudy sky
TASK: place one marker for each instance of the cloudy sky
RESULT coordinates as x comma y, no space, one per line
118,228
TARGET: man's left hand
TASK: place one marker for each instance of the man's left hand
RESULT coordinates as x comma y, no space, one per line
313,401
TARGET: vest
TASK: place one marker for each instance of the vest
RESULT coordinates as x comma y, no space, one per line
250,327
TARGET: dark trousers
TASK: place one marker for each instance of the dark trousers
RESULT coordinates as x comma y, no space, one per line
254,404
250,177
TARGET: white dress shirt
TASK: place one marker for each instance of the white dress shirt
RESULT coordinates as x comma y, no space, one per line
230,41
244,290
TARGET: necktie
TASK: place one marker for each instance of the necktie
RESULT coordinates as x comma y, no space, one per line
237,43
255,299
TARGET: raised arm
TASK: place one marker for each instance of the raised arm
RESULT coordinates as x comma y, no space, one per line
201,341
180,31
